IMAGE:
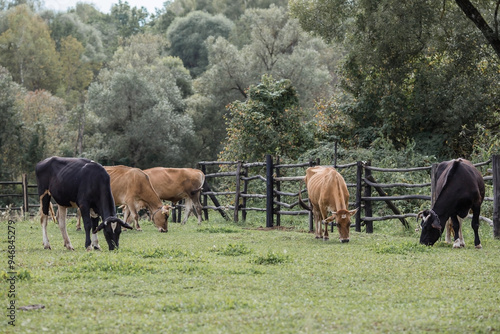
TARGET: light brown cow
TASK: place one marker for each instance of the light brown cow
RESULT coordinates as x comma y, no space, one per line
328,192
175,184
132,187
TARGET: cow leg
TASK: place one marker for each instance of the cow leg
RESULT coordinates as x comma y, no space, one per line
61,214
189,207
78,219
457,231
317,223
198,207
475,226
323,219
44,218
198,210
135,217
447,237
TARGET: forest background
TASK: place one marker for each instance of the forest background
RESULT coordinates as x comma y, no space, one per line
401,83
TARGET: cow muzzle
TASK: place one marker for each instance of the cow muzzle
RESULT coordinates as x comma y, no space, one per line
344,241
162,230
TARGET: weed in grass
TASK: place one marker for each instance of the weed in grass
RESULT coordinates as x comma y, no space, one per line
218,229
235,250
399,248
271,258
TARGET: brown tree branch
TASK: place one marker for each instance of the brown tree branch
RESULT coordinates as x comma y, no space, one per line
473,14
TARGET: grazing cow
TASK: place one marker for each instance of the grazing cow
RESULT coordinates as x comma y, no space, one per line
81,183
131,187
459,188
328,192
175,184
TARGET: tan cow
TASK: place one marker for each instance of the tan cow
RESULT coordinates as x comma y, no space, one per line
131,187
175,184
328,192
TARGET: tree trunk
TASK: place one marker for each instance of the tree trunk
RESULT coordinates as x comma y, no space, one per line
473,14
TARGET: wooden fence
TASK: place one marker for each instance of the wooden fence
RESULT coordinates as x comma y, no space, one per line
273,188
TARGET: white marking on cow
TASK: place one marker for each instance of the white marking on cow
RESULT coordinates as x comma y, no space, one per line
113,226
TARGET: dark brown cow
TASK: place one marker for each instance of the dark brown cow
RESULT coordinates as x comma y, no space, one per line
175,184
459,188
328,192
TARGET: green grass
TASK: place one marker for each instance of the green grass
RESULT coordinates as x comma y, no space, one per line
235,278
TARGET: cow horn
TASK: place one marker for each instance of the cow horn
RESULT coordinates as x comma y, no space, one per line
122,223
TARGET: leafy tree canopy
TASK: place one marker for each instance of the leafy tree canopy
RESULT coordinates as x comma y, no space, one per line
140,108
268,122
188,34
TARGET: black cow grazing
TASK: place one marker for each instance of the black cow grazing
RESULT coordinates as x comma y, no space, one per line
81,183
459,188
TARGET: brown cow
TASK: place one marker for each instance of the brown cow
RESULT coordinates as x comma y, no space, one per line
131,187
328,192
175,184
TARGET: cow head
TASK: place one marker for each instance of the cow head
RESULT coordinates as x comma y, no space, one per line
112,227
343,220
431,227
160,218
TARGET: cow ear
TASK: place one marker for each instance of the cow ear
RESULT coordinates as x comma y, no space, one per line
436,225
98,228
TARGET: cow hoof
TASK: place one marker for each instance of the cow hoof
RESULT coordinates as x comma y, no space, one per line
325,238
317,237
47,247
479,246
79,229
139,229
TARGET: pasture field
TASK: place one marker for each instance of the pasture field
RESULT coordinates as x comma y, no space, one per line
236,278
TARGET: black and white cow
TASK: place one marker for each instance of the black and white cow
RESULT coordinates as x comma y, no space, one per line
81,183
459,188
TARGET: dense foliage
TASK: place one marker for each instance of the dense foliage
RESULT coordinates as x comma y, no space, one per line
148,89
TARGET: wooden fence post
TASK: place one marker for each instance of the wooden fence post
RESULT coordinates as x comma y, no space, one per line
496,196
359,187
278,196
433,183
25,194
237,195
245,191
368,204
270,191
205,197
311,218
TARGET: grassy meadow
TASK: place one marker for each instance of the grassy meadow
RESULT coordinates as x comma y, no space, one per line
223,277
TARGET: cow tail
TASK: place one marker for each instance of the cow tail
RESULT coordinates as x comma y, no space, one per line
302,204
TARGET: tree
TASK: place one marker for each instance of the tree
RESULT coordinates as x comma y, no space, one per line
269,122
28,51
277,46
10,127
188,34
473,14
412,71
139,109
130,21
